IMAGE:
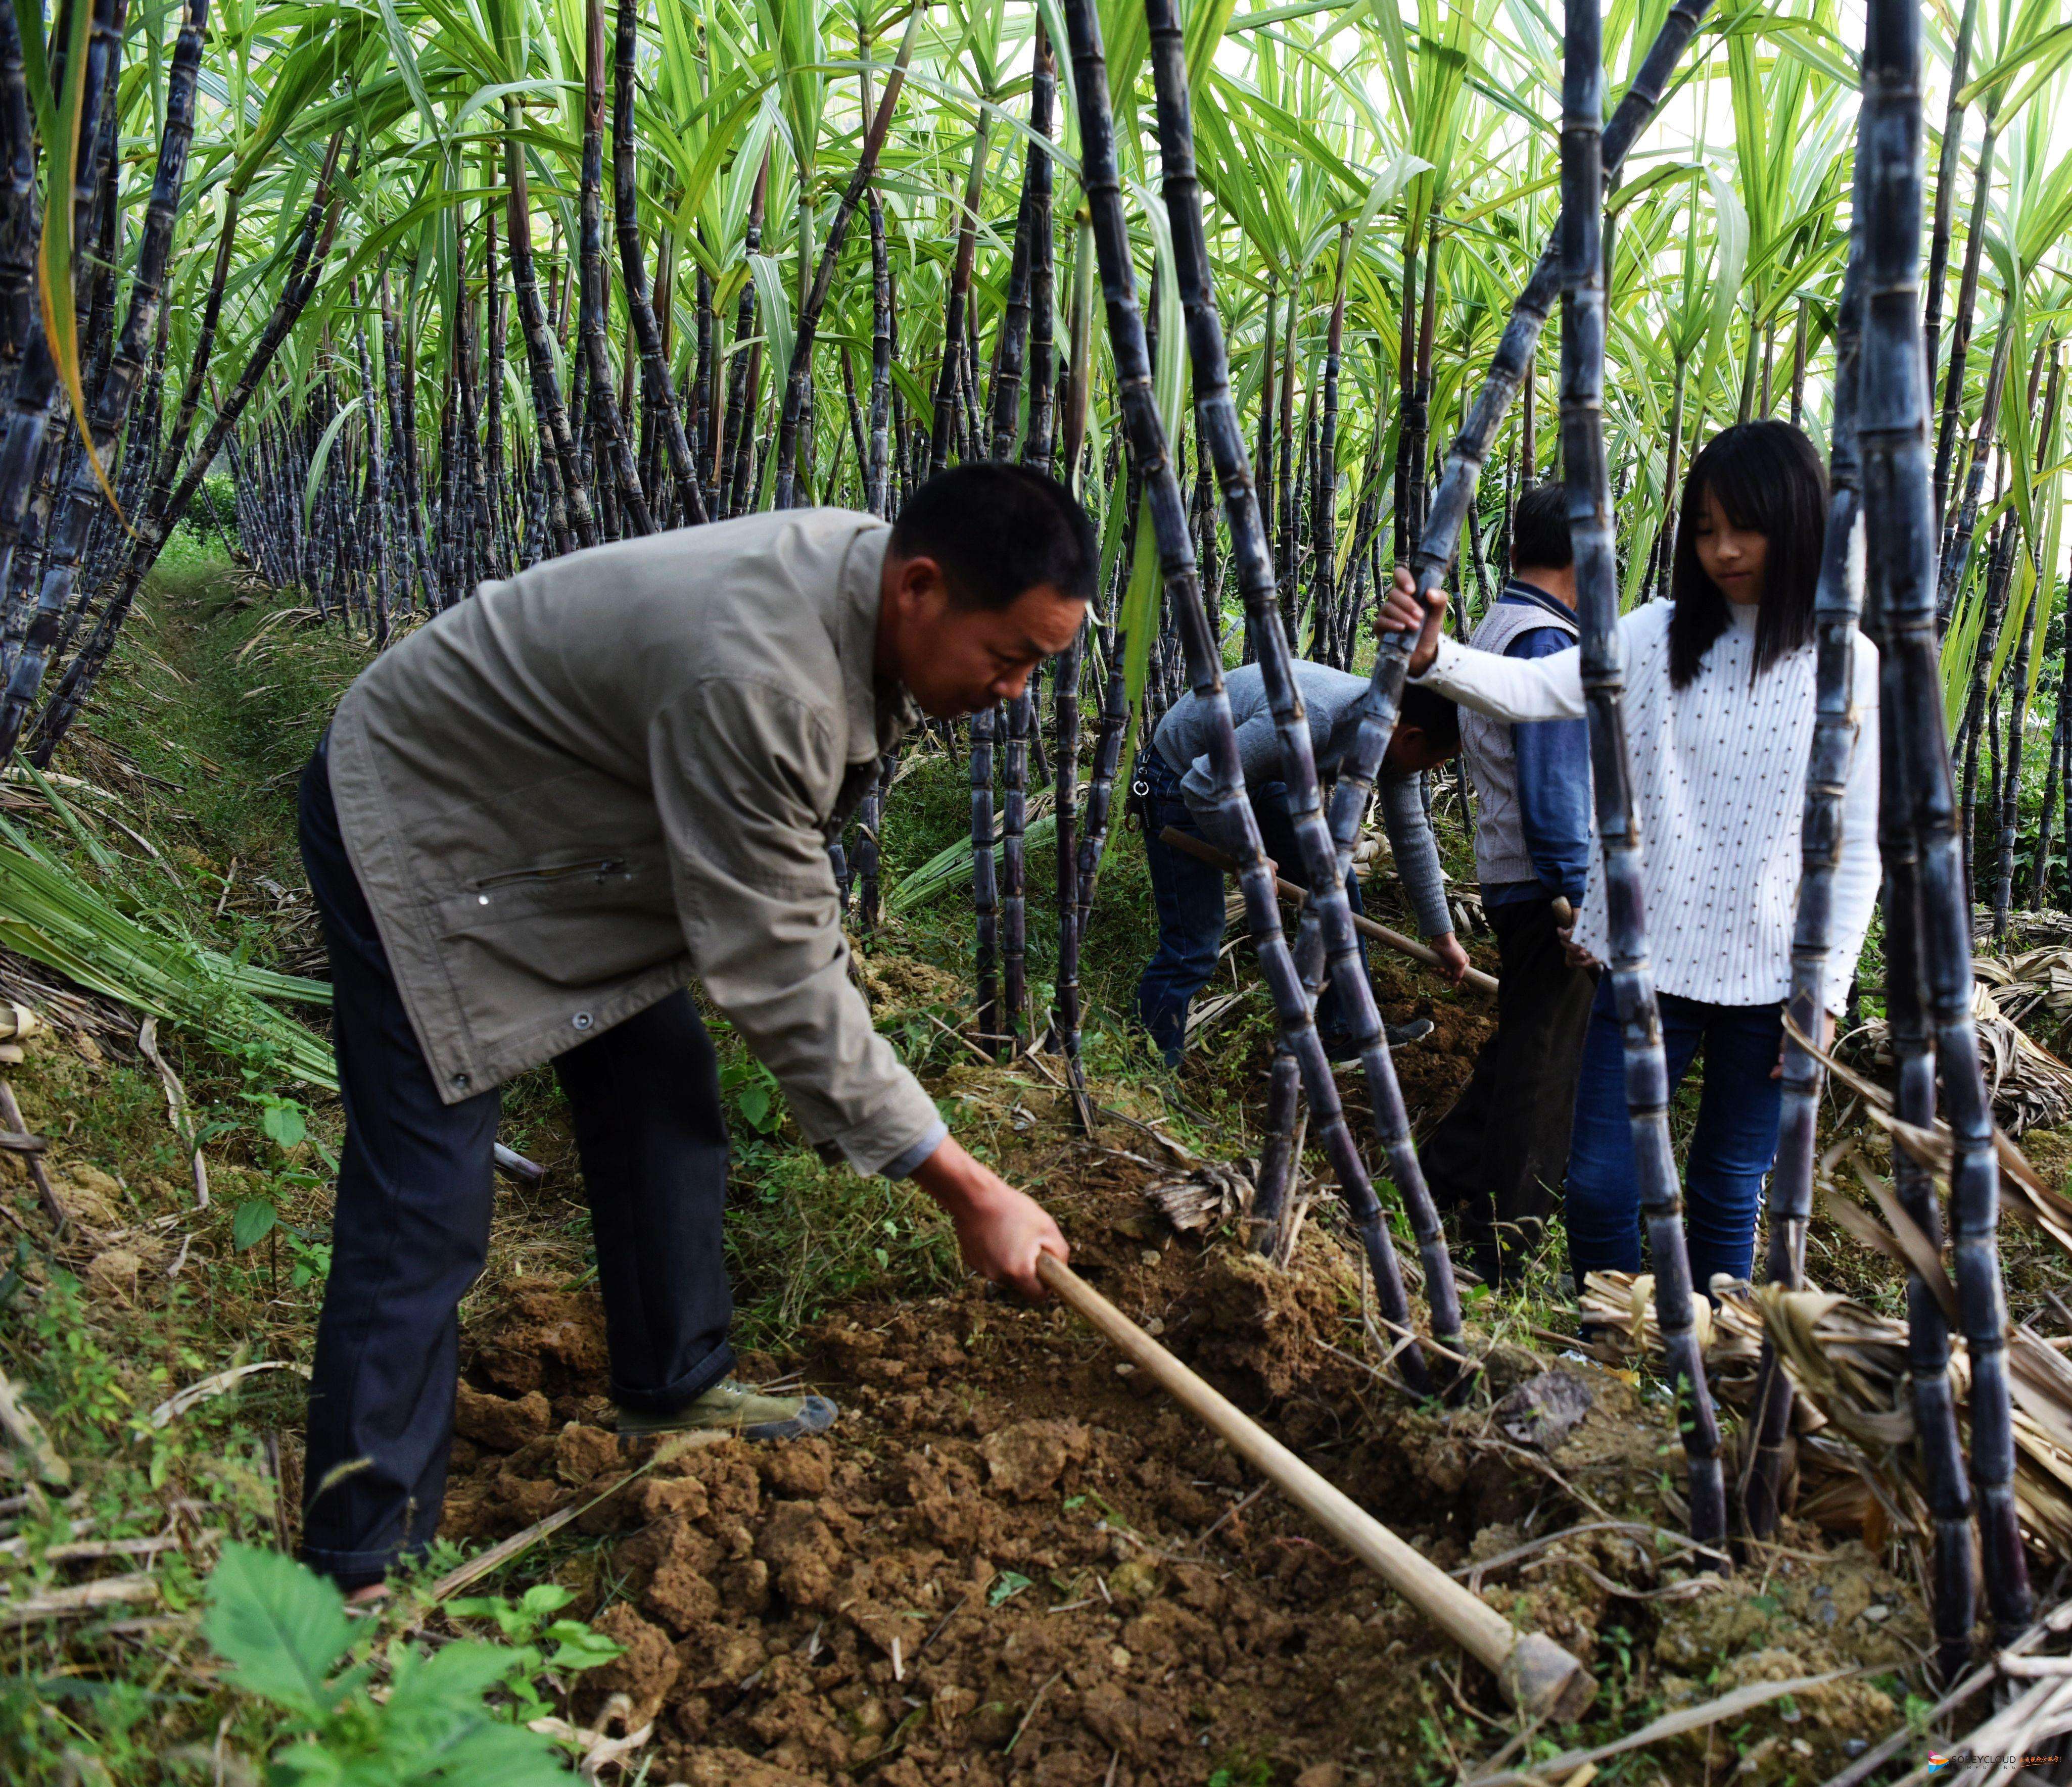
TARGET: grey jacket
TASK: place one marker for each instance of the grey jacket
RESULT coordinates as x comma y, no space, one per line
569,795
1329,702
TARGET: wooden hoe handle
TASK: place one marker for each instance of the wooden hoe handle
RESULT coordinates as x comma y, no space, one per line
1537,1676
1381,934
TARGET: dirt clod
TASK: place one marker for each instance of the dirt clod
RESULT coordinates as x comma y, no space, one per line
1026,1460
1542,1411
644,1674
503,1423
582,1453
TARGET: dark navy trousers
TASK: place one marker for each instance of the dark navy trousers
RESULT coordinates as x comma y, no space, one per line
1190,897
410,1232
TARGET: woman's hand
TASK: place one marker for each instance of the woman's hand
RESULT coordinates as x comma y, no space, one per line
999,1230
1403,613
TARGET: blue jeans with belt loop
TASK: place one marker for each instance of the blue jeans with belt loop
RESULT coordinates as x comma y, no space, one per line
1190,897
1732,1149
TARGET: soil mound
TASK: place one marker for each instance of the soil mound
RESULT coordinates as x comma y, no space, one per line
1011,1562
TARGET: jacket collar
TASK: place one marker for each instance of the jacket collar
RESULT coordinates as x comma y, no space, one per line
878,718
1530,595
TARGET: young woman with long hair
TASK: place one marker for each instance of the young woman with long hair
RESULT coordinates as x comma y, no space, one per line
1720,711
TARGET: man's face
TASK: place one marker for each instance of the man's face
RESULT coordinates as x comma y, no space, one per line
1411,752
956,659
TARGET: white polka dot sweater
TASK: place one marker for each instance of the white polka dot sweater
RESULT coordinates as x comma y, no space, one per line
1719,768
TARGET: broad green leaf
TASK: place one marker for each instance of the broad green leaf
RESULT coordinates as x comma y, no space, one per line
283,1123
252,1223
281,1628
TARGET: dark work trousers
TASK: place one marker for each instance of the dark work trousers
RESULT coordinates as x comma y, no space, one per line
1190,896
411,1229
1498,1155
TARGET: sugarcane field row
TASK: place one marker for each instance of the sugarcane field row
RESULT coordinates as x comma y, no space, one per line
1101,891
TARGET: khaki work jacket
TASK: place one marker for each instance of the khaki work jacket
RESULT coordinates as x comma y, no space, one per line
568,795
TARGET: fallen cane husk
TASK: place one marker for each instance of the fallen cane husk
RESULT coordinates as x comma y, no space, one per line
1847,1366
1535,1674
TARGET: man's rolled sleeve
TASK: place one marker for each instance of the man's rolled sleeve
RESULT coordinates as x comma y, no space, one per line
912,1162
734,763
1417,853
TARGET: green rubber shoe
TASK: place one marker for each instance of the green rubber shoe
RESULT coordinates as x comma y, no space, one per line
731,1408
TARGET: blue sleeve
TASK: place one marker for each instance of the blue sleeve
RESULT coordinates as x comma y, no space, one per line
1553,759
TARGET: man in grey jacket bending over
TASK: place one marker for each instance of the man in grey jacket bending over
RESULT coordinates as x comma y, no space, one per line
1176,790
530,824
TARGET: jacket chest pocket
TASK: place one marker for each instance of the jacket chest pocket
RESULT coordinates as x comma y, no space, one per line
572,922
597,885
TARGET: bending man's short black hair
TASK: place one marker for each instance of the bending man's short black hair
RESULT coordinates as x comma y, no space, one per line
1540,529
998,530
1433,715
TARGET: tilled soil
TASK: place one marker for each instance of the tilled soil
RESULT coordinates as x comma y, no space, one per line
1014,1561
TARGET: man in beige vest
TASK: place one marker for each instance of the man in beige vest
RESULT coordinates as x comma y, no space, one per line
529,826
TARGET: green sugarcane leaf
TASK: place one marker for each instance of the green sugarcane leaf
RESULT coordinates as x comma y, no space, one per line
774,301
1207,21
321,457
1960,646
406,54
2051,50
54,260
1731,226
2025,572
2045,610
951,866
1139,621
29,27
1169,372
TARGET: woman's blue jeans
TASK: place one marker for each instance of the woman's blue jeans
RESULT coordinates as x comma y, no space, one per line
1730,1151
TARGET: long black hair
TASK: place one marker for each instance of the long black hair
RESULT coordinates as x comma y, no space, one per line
1768,480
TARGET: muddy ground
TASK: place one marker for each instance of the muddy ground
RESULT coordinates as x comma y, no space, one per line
1015,1561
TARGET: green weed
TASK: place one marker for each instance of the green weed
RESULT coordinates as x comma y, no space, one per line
290,1644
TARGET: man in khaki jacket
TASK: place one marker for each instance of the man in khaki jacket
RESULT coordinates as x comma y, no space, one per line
529,825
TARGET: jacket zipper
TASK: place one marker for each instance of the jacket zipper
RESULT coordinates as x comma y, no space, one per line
607,865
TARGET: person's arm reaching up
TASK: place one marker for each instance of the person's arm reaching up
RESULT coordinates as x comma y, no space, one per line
1504,688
